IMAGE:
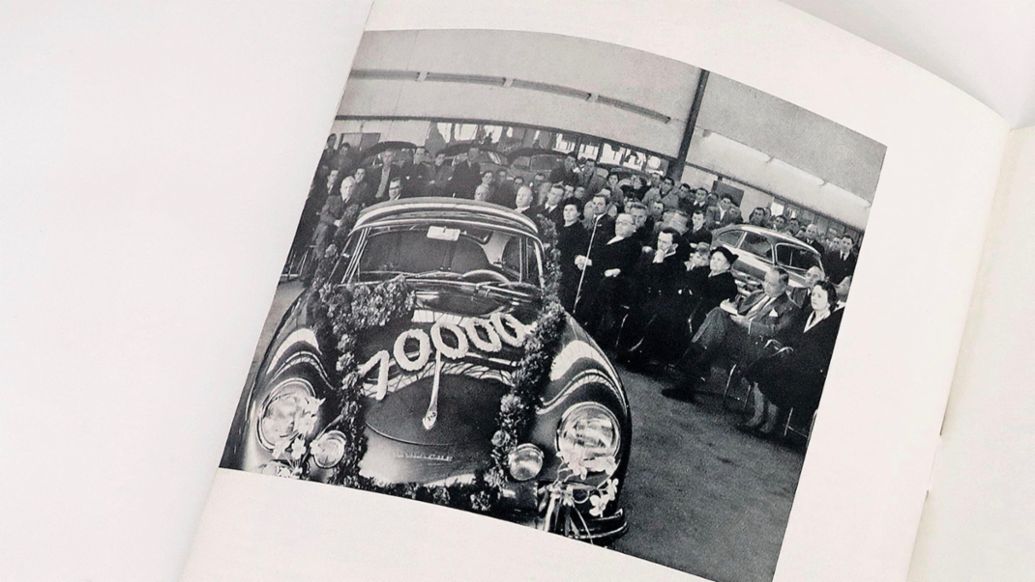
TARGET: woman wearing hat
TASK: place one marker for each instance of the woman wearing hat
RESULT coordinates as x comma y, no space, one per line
711,285
793,376
708,286
572,240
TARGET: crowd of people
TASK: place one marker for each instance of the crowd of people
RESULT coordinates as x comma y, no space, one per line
637,267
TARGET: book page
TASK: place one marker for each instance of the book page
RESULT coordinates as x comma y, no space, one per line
977,519
691,97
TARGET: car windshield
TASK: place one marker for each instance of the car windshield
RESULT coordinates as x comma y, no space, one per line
796,258
449,250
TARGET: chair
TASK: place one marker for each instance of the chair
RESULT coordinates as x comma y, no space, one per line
799,430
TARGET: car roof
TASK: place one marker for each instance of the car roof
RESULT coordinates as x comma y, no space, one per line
534,152
435,207
778,236
462,147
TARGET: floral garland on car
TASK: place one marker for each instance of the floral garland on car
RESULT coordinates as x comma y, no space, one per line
342,313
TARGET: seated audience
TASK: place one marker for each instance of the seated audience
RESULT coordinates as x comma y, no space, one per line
737,330
793,375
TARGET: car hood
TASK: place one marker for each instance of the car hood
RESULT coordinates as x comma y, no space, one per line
402,446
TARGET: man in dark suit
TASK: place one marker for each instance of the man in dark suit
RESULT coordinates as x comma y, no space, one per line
565,173
589,179
759,317
383,173
811,238
698,231
415,174
523,202
440,177
655,315
596,219
800,295
364,192
840,262
609,267
467,174
552,207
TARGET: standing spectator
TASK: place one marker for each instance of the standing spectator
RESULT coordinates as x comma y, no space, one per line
698,231
779,223
523,202
759,217
488,179
345,161
481,193
811,237
384,173
542,192
793,227
613,183
840,261
505,190
415,174
638,212
800,295
572,240
537,181
363,194
723,215
580,193
439,177
588,177
565,173
596,218
701,202
668,195
466,174
552,208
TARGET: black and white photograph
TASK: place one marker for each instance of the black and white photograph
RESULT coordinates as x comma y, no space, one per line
567,284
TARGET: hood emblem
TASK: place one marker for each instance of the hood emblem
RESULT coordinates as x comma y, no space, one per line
431,416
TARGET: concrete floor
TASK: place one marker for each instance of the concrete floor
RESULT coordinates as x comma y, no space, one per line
700,496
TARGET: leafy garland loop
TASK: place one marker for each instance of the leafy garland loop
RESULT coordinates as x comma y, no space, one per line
342,312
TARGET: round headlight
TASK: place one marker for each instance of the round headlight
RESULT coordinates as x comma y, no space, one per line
285,405
525,462
588,438
328,449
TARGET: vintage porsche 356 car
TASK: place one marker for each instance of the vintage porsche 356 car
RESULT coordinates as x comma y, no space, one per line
441,390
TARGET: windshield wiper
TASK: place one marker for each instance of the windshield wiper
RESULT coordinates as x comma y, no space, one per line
435,275
512,287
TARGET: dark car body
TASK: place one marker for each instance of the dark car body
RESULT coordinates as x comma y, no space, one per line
489,160
527,162
760,249
483,245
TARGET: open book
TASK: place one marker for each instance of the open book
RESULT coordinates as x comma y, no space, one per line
537,230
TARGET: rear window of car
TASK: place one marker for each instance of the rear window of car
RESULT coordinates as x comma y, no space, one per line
731,238
796,258
757,244
540,163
